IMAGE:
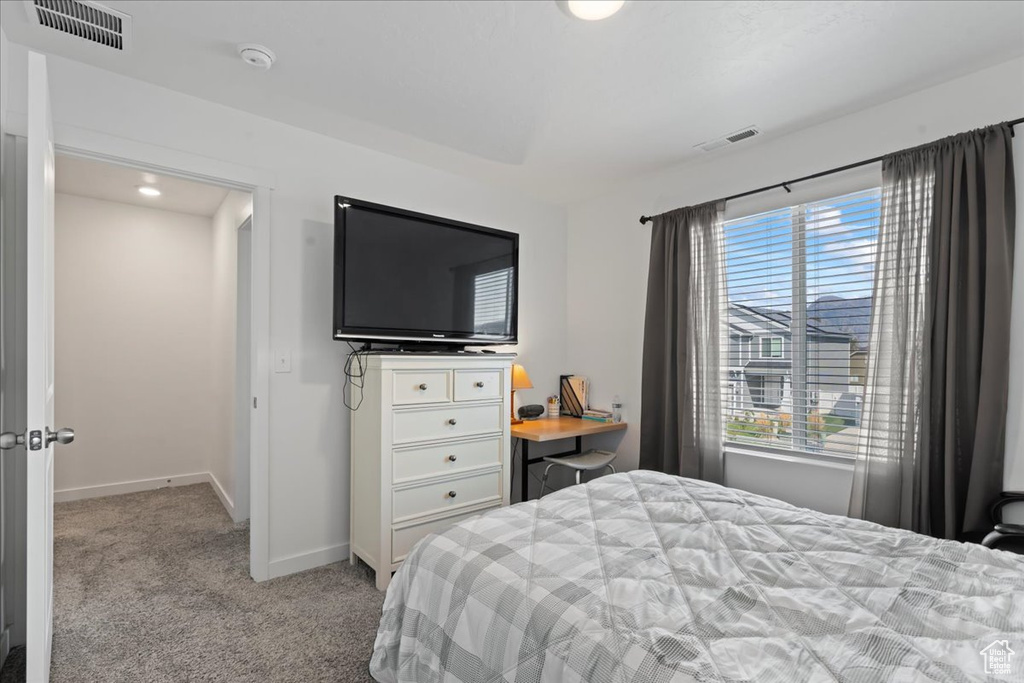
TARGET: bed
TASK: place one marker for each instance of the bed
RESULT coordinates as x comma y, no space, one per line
641,576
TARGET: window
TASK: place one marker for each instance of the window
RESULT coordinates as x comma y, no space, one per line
492,302
766,391
771,347
799,281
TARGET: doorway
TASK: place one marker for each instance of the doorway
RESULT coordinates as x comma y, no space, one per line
147,332
171,164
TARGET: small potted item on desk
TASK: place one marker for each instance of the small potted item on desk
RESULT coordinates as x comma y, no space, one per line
554,406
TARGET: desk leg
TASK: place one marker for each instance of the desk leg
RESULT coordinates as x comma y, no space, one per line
525,469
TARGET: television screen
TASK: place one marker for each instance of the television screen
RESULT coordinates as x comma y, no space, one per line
405,276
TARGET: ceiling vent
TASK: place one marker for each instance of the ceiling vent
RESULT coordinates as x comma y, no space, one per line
83,19
730,139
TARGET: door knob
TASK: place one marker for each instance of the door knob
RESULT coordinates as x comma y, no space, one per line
10,440
64,435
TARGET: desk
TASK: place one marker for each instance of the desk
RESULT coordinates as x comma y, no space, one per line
552,429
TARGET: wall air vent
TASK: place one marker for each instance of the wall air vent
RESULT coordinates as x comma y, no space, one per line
730,139
83,19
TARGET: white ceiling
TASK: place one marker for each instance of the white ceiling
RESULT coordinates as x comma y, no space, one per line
100,180
521,94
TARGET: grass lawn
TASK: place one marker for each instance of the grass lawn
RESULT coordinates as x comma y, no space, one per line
769,428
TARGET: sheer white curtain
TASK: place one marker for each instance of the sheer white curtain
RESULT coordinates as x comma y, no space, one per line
681,421
887,472
931,454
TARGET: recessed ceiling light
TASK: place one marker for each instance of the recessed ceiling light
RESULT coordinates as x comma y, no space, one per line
149,191
594,10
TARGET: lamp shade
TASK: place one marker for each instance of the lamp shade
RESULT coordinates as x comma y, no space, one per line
520,380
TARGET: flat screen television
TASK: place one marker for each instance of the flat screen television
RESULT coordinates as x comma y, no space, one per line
405,278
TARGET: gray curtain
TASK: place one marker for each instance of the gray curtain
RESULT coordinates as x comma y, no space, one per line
681,416
938,381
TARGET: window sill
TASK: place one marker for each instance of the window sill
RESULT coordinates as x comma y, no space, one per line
838,462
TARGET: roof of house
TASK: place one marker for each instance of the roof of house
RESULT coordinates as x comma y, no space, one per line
782,320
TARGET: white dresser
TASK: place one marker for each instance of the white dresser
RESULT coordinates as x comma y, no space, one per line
430,446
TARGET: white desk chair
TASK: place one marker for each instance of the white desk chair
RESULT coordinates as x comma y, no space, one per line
590,461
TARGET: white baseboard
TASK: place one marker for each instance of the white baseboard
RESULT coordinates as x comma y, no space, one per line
67,495
225,499
311,560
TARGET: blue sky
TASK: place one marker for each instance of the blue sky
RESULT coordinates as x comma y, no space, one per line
840,249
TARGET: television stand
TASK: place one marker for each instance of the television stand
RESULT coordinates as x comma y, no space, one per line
430,447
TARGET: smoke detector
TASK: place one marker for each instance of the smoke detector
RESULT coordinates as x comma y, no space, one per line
89,21
730,139
257,55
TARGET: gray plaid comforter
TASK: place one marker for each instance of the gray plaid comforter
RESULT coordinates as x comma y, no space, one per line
641,576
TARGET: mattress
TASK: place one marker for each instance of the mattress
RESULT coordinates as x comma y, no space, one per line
641,576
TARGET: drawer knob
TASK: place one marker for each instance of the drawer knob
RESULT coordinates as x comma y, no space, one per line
452,458
479,385
451,421
451,494
423,387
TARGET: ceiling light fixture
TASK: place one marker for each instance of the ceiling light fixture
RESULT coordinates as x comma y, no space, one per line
149,191
594,10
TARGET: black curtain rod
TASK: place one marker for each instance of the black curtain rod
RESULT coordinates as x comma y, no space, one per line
785,185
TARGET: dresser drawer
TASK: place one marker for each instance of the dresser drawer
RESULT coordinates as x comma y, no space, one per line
421,386
446,422
426,461
477,385
404,538
437,497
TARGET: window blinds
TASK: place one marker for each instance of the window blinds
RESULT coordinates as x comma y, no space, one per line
796,302
492,302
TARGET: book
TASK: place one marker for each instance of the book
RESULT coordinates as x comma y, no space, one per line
573,395
595,418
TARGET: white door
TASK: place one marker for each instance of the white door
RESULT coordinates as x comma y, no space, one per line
39,365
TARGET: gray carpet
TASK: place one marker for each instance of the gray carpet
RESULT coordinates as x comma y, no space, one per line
154,587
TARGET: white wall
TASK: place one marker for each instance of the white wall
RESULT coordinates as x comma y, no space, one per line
132,344
609,250
308,424
233,211
243,372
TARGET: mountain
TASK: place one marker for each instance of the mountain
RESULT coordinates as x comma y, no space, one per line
830,314
842,316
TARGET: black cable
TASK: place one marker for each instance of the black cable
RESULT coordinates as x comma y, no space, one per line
516,447
515,456
356,379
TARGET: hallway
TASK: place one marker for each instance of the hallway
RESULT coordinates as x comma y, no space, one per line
154,586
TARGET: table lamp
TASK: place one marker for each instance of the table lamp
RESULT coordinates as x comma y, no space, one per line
520,380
